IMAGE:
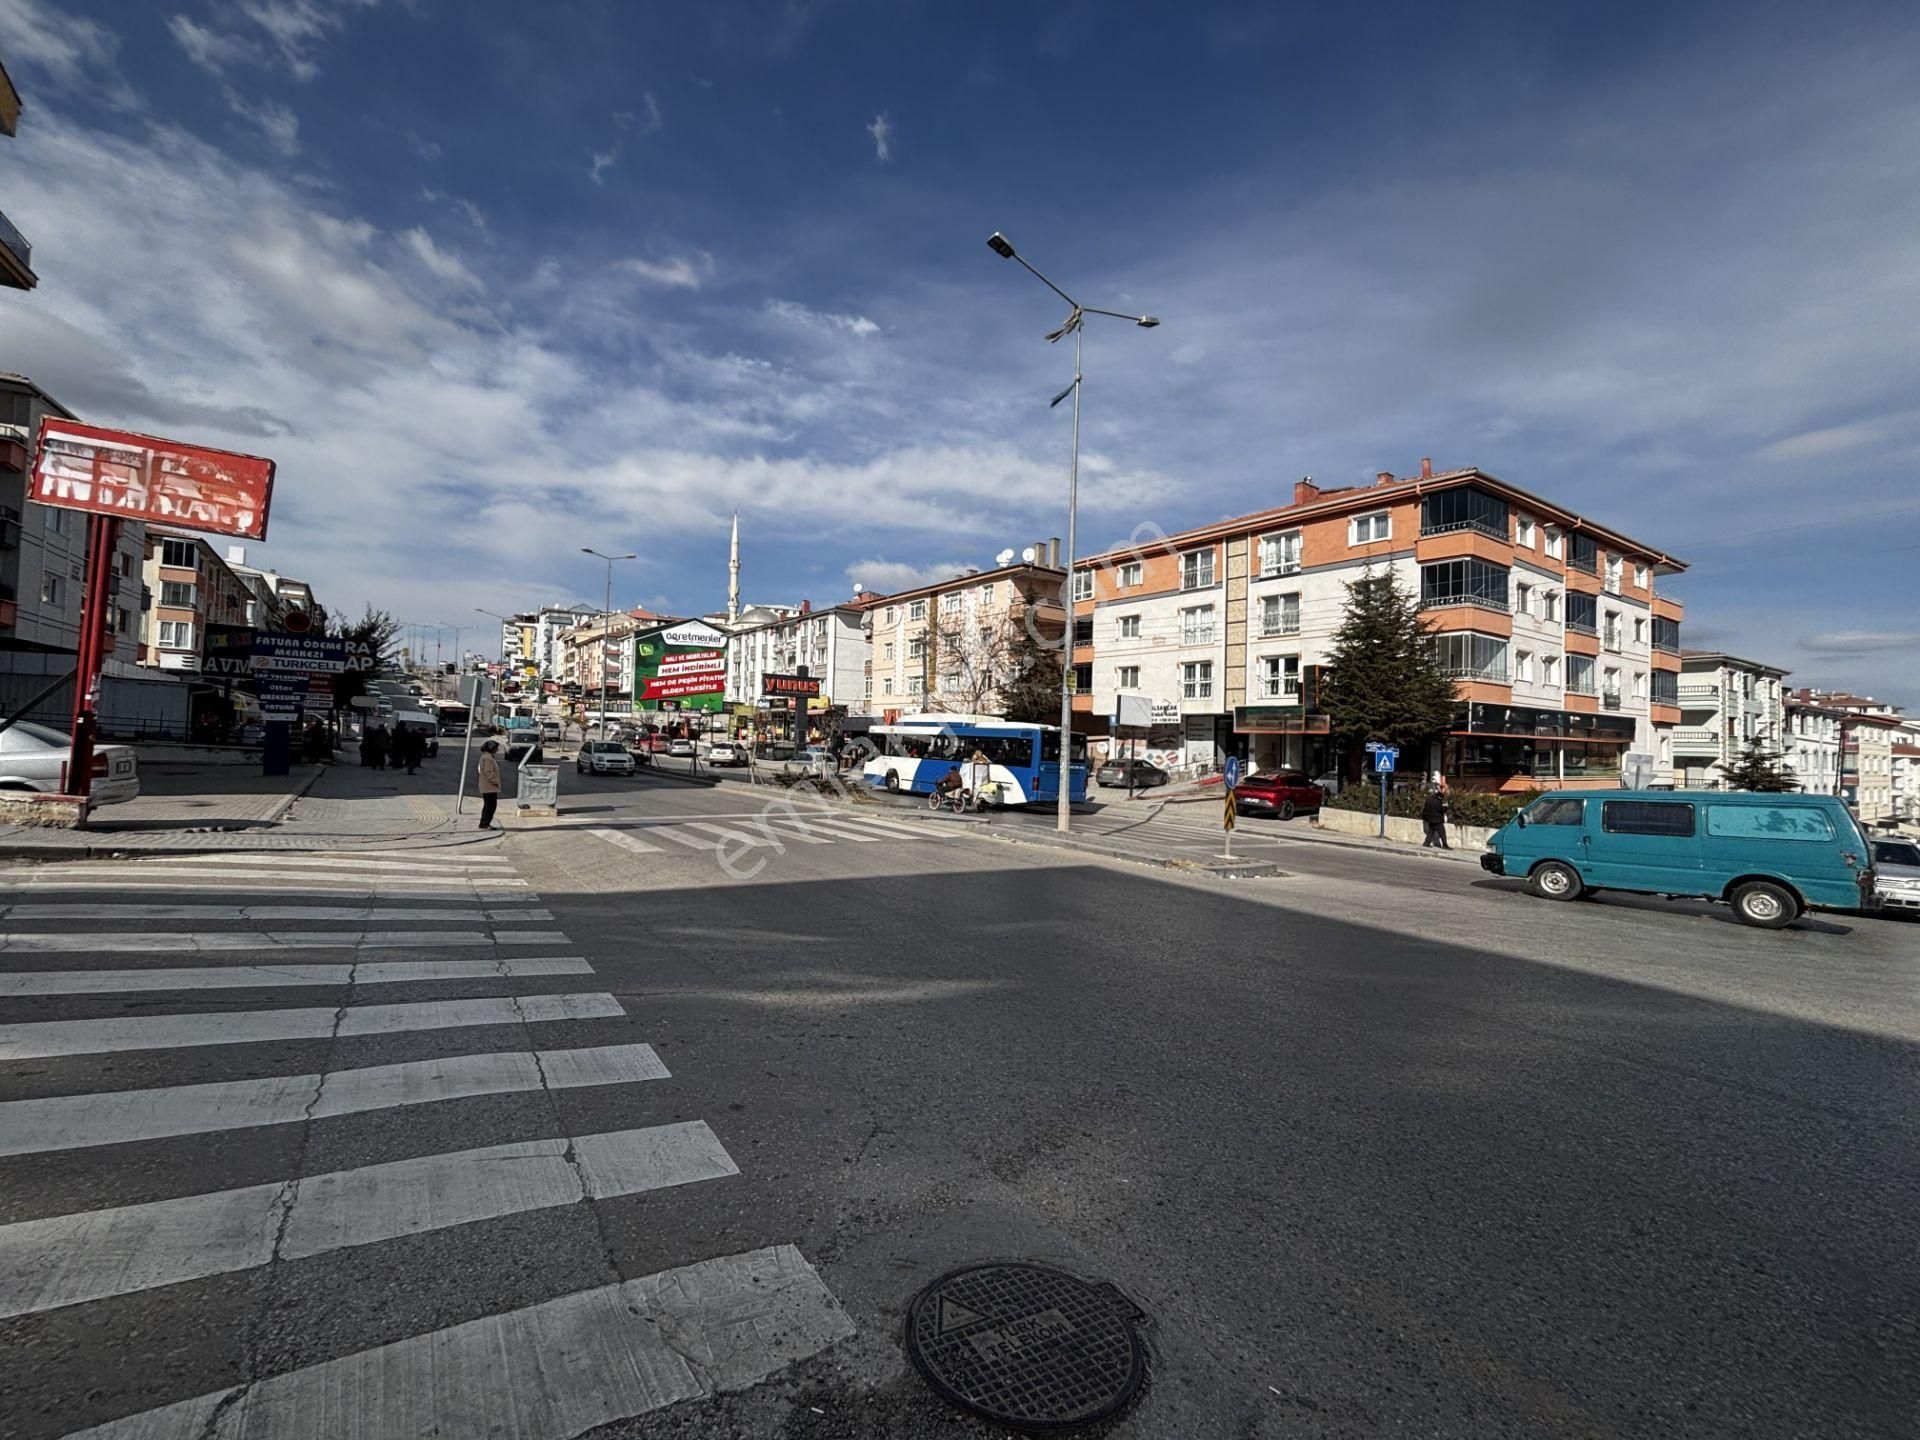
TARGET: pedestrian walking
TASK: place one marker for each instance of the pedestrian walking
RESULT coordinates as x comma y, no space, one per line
375,747
489,784
1434,814
413,749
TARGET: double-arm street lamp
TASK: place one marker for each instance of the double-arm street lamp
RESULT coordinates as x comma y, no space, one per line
1076,327
606,627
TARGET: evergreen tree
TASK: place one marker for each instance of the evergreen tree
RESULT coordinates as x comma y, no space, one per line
1759,768
1384,682
1032,689
375,634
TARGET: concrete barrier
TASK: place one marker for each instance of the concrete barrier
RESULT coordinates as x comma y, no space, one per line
46,812
169,753
1409,832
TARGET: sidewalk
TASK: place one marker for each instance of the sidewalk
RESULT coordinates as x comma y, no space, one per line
189,811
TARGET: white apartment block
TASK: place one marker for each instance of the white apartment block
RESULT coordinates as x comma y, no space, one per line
1726,703
1813,744
833,644
549,624
943,647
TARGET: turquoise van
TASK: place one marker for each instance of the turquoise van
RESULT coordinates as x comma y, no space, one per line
1771,857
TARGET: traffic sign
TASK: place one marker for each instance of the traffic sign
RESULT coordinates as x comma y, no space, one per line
1232,771
1227,817
1383,762
1375,746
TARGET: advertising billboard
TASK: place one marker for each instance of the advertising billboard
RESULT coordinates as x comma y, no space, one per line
141,477
684,663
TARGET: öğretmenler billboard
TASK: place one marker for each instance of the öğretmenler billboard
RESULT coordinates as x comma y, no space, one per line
685,663
142,477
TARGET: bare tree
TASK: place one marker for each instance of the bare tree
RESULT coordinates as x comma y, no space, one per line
968,663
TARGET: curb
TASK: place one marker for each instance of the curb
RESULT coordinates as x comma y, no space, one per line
279,812
1235,869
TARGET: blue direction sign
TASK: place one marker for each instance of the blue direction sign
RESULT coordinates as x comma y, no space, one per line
1233,771
305,653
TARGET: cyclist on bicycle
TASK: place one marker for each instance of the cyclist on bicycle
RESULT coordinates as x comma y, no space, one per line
949,785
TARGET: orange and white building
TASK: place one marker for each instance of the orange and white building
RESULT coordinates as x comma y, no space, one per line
1565,657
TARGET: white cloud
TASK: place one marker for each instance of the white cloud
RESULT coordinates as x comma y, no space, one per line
438,262
795,313
601,161
882,132
275,121
676,273
210,49
428,150
1861,642
470,212
72,54
889,576
297,28
1819,444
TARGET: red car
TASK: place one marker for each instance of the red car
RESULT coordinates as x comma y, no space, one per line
1280,793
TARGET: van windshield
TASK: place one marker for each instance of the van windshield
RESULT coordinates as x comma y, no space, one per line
1562,811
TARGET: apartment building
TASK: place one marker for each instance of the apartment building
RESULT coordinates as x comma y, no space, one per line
274,595
191,588
550,625
43,549
1869,731
16,255
1726,703
1812,743
1564,657
832,643
598,657
948,646
1906,774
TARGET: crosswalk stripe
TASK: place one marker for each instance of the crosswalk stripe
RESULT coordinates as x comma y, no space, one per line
117,875
195,941
75,1122
41,1039
547,1372
624,840
94,1254
262,912
692,842
247,977
768,834
348,890
391,860
830,830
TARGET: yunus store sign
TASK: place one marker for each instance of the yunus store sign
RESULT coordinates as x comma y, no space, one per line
683,663
142,477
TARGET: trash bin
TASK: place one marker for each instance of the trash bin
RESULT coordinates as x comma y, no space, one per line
538,788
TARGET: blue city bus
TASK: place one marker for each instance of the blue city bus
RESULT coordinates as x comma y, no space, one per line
913,753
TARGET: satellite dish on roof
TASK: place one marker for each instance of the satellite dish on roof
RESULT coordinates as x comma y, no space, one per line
1005,557
1027,557
858,587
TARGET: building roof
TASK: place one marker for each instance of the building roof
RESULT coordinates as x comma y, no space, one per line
969,578
1328,503
52,404
1721,657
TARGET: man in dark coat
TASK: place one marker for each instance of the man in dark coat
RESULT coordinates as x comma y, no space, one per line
1434,815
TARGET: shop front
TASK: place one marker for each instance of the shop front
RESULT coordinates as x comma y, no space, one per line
1503,747
1284,737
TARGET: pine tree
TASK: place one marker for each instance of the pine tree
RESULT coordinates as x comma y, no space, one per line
1031,692
1384,682
1759,768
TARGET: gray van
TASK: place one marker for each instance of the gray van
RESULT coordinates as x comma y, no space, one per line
1771,857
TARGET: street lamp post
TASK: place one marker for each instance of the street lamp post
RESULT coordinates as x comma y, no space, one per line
606,627
1075,325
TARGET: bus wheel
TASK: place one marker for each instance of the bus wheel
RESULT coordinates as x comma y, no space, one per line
893,782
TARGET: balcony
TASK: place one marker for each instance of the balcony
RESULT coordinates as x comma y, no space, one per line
1700,696
1610,699
1197,635
1454,527
1583,627
1612,641
1588,563
1282,627
1698,740
1196,580
16,258
1495,603
1495,672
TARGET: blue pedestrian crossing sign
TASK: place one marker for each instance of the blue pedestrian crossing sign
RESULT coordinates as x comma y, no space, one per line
1385,757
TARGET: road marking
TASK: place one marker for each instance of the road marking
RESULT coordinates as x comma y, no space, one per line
94,1254
344,890
195,941
918,830
264,912
123,873
247,977
387,860
765,834
624,841
692,842
831,830
42,1038
547,1372
76,1122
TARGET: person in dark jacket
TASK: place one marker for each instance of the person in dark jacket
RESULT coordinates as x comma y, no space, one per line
1434,814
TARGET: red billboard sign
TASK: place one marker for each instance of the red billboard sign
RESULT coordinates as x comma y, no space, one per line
141,477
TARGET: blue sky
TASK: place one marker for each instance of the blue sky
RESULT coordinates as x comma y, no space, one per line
496,281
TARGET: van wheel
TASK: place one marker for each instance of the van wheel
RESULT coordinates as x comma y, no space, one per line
1555,881
1762,903
893,782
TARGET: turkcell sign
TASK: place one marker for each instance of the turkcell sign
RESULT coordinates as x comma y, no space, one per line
306,653
807,685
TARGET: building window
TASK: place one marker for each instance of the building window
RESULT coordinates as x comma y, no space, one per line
1666,634
1280,554
1613,573
1129,627
1523,531
1130,573
1583,613
1129,677
1083,679
1550,606
950,602
1610,687
886,685
1552,542
180,554
986,635
1370,529
1280,614
1640,576
1463,582
886,651
1523,667
1083,584
1463,655
1083,630
1523,599
1196,680
52,588
56,520
950,682
1639,684
916,647
1580,674
890,615
1585,554
1639,629
1610,633
1463,508
1549,669
1280,677
1196,625
1196,569
917,610
177,593
867,687
120,620
176,634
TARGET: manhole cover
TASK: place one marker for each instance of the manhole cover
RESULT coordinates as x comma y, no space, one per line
1027,1345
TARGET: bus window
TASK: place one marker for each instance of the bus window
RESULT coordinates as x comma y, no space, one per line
1050,747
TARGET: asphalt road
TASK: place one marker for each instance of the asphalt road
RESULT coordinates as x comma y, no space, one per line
1382,1146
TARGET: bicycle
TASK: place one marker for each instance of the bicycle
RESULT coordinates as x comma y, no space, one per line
958,801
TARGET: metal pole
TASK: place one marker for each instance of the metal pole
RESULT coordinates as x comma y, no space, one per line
606,637
466,747
1383,796
1064,822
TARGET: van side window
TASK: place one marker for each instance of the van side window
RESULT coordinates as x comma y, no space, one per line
1768,822
1557,812
1646,817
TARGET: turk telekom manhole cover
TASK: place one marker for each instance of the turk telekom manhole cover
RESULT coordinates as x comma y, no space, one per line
1027,1345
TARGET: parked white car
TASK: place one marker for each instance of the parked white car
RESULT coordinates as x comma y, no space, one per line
34,757
1896,874
726,752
